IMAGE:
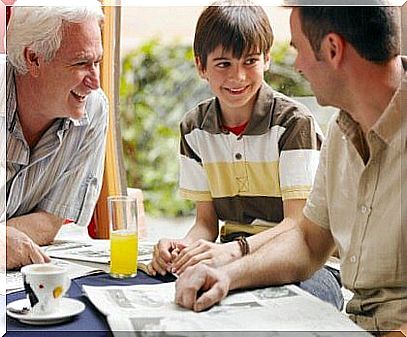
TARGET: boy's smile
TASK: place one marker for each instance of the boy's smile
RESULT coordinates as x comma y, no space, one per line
235,82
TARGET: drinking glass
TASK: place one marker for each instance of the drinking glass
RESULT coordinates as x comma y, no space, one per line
123,236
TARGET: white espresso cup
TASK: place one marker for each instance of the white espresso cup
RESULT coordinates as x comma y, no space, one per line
45,284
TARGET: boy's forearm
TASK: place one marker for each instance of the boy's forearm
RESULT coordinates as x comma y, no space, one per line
203,231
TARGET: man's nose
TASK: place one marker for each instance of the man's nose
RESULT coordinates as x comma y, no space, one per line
92,80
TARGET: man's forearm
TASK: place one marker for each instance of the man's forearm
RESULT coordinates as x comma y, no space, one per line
282,261
265,237
40,226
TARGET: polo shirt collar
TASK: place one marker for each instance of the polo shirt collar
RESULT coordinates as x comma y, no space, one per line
389,127
260,119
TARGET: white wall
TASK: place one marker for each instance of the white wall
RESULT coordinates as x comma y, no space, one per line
178,23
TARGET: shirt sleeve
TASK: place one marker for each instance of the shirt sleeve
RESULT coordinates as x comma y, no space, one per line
299,155
193,181
316,207
75,194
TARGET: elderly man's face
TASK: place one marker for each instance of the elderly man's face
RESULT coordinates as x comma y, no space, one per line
65,83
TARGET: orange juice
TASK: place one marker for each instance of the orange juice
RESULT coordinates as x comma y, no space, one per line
123,253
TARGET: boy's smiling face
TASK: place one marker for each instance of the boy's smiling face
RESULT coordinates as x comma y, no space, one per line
235,81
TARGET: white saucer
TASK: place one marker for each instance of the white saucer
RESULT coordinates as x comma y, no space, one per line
67,309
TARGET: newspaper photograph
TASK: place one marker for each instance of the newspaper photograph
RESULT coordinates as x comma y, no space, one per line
151,308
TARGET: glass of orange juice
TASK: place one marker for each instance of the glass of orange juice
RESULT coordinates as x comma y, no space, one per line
123,236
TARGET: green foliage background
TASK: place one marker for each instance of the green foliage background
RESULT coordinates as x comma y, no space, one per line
158,85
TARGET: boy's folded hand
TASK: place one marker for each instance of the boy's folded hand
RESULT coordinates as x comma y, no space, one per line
165,251
207,252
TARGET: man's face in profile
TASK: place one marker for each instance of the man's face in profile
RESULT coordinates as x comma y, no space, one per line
66,81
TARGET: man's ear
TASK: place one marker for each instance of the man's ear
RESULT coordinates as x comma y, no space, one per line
32,60
333,48
267,60
201,69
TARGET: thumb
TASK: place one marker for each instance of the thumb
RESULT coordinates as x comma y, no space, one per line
180,245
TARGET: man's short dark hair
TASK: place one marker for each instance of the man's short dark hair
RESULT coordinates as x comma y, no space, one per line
239,29
373,31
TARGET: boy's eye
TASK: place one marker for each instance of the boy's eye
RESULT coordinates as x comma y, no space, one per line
222,64
251,60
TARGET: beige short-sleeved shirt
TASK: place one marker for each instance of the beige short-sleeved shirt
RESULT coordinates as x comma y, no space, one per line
362,205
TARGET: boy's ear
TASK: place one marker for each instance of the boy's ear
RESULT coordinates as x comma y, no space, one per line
200,68
32,61
267,60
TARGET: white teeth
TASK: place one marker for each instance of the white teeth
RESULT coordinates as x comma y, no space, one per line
78,94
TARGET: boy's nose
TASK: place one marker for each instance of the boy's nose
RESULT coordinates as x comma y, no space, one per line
238,73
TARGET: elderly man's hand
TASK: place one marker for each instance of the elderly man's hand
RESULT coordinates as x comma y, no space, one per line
21,250
200,287
209,253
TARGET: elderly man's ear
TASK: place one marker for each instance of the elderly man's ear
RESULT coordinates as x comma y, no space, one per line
32,61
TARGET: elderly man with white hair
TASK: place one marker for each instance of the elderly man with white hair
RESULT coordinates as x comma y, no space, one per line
56,124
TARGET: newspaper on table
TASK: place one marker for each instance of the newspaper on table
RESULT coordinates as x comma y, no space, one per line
14,279
95,251
151,309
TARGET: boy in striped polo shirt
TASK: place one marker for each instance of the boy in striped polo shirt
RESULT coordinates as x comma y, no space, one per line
248,155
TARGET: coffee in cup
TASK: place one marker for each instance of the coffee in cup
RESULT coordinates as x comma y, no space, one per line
45,285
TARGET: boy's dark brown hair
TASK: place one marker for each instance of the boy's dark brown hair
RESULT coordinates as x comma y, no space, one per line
373,31
240,29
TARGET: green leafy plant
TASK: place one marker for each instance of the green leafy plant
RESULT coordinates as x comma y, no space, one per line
158,85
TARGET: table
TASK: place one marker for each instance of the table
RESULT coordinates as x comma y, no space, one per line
90,322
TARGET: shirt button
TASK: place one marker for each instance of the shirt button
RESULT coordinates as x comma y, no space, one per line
353,259
238,156
364,209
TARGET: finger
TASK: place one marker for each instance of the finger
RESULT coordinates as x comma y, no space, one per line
174,254
160,262
151,271
164,249
193,261
36,256
159,266
47,259
186,292
181,245
208,299
188,254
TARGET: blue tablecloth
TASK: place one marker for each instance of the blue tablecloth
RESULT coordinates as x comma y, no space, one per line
90,322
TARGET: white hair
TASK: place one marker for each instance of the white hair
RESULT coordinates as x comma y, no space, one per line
41,28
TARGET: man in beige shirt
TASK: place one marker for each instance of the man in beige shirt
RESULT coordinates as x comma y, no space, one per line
351,57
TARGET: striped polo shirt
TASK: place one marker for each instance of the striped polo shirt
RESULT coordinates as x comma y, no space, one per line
249,176
63,173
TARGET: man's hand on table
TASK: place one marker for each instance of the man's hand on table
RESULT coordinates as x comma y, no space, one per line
200,287
209,253
21,250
